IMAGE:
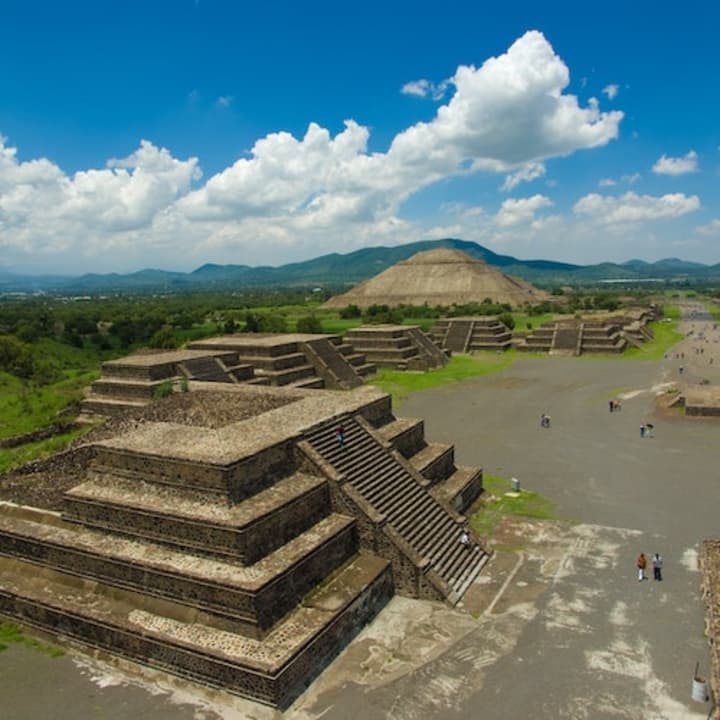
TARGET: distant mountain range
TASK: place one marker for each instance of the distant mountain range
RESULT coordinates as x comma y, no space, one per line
337,271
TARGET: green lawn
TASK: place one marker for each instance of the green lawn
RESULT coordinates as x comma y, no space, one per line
15,457
666,336
672,311
713,309
27,407
523,319
461,367
496,505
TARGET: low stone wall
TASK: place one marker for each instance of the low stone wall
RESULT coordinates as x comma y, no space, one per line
164,470
43,434
710,567
702,410
410,441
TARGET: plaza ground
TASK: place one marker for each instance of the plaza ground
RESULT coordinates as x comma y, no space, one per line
558,626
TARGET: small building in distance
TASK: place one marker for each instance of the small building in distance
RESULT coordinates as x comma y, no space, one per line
442,277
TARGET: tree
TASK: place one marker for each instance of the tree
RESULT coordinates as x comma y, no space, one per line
164,339
351,311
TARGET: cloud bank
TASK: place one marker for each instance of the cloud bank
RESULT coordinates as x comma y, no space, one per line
295,197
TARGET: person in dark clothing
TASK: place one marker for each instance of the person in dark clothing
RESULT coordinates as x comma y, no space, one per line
657,563
340,435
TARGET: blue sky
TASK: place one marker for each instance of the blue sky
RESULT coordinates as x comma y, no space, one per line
169,134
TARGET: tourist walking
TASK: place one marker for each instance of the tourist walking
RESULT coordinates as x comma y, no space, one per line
465,539
611,405
642,430
641,566
649,430
340,436
657,563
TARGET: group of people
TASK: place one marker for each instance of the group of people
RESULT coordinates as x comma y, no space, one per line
657,564
647,430
614,405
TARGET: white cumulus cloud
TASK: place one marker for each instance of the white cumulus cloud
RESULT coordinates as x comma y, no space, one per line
514,211
677,166
631,207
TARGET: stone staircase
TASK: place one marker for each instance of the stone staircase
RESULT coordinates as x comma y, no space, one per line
566,339
394,492
471,334
458,335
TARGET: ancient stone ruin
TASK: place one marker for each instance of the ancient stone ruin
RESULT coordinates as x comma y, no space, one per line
403,347
471,334
294,360
577,336
710,567
244,553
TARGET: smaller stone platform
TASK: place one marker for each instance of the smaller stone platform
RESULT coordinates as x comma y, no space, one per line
295,359
702,400
403,347
471,334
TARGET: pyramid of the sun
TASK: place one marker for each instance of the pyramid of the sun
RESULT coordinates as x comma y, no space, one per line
439,277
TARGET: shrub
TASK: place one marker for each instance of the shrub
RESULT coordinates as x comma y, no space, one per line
351,311
309,324
163,390
508,320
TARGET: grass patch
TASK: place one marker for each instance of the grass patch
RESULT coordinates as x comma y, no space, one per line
672,311
522,320
713,310
666,336
18,456
27,407
461,367
11,634
495,506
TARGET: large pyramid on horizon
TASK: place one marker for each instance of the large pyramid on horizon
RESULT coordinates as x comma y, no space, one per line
439,277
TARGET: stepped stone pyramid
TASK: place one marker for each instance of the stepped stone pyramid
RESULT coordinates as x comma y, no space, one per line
244,554
575,336
439,277
296,360
403,347
471,334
